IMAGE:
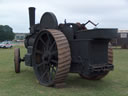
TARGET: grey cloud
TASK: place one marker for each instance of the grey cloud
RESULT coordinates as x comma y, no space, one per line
109,13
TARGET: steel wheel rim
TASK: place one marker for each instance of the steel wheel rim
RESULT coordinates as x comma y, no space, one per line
17,60
95,77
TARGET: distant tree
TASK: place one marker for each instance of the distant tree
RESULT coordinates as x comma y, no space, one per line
6,33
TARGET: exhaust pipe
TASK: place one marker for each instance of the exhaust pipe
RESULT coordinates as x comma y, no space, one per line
31,18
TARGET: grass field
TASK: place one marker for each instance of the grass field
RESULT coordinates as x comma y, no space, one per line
25,83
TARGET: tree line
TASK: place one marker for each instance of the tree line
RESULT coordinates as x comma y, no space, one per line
6,33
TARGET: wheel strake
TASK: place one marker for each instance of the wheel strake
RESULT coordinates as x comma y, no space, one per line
110,54
51,57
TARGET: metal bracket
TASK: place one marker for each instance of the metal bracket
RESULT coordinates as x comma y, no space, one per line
89,21
99,67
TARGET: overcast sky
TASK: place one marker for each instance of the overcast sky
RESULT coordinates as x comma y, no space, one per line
108,13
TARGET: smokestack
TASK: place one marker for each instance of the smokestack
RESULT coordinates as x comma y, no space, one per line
31,16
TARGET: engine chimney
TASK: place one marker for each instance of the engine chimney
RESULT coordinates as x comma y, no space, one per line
31,17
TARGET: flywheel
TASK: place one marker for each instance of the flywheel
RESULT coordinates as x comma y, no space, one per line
51,57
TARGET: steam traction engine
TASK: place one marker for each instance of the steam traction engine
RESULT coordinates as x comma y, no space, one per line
55,50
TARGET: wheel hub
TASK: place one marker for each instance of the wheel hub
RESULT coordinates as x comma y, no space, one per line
47,56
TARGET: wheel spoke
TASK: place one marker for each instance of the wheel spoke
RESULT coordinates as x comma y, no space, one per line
47,42
38,51
52,46
54,53
49,75
54,61
46,71
38,65
49,39
53,70
42,41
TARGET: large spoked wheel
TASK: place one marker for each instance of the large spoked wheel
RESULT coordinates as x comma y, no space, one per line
101,75
95,77
51,57
17,60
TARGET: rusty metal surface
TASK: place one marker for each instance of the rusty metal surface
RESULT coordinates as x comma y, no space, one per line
17,60
64,56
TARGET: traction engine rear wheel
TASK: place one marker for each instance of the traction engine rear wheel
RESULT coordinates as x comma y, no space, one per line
110,61
17,60
51,57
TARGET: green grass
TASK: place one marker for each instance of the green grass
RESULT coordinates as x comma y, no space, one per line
25,83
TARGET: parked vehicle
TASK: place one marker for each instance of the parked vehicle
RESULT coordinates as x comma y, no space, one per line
6,44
